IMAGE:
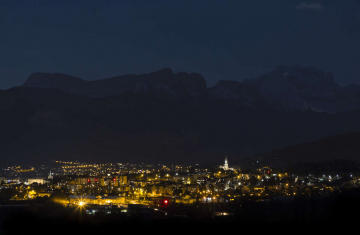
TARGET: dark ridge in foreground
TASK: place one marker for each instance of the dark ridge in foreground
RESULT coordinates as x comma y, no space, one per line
341,148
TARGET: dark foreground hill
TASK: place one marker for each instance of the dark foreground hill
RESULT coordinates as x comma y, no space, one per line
339,149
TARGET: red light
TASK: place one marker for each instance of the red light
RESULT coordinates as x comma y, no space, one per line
88,180
114,179
163,203
95,180
268,172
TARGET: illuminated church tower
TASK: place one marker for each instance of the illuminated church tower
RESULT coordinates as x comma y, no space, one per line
50,175
226,165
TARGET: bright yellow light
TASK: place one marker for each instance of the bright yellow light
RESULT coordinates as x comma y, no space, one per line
81,203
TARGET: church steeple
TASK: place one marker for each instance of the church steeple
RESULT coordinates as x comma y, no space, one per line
50,175
226,165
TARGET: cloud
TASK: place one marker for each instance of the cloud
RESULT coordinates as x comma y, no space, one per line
309,6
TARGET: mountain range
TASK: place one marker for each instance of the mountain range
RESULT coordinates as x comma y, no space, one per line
171,117
287,87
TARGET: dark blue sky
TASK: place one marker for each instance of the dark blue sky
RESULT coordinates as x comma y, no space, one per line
232,40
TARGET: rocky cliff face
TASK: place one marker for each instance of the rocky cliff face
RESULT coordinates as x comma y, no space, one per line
297,88
237,93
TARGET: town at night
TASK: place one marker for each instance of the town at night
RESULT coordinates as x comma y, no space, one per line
179,193
154,116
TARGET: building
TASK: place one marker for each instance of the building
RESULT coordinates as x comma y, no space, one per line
82,200
99,200
226,165
50,176
111,200
39,181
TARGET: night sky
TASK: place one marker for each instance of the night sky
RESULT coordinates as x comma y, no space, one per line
220,39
